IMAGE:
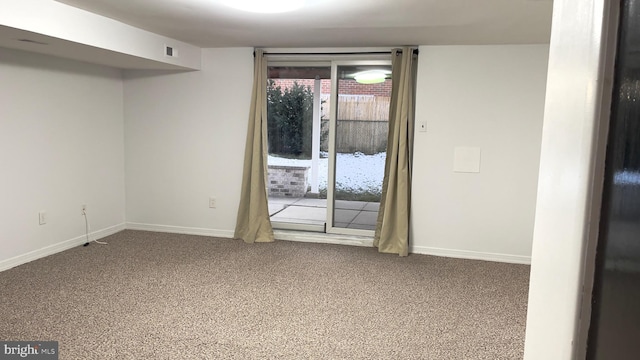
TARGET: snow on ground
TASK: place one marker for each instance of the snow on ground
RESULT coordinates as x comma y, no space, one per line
353,171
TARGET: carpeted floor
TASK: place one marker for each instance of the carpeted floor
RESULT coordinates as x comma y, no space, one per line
165,296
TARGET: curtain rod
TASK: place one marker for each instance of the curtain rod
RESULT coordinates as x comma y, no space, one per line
415,52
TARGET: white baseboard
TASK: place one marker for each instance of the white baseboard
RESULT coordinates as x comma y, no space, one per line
471,255
368,242
59,247
280,235
181,230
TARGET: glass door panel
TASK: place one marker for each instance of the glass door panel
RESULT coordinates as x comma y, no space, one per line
359,129
297,127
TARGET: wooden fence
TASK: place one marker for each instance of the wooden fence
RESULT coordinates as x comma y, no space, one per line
365,136
359,107
362,124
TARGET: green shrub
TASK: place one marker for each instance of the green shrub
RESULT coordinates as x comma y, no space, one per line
289,120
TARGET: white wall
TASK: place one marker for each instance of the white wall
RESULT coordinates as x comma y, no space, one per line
491,97
185,136
61,146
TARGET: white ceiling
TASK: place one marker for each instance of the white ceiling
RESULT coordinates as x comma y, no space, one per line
336,23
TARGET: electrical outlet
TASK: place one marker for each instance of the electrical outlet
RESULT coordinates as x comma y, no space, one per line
212,202
84,209
42,217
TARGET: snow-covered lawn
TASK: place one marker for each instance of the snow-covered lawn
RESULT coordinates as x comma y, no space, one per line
354,172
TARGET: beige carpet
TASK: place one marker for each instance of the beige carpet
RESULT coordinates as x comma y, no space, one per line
165,296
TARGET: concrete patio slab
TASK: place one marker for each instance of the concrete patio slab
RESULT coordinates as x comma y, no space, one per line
275,208
297,221
282,200
294,213
312,202
366,218
344,216
350,205
372,206
348,214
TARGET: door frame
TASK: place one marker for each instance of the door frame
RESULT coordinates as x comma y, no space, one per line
576,118
333,125
301,62
333,59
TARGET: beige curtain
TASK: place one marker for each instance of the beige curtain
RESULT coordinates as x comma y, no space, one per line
253,224
392,227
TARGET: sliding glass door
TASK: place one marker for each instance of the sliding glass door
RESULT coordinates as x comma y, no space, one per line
327,133
359,126
297,162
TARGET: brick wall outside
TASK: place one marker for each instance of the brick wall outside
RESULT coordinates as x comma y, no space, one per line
351,87
346,87
288,181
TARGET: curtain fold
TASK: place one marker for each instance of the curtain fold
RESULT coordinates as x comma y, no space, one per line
253,223
392,225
